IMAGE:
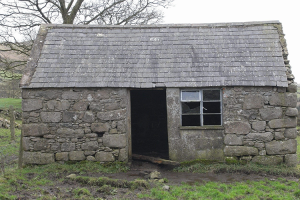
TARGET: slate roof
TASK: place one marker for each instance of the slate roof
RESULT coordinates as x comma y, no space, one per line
188,55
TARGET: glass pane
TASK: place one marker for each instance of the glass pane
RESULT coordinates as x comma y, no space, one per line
211,107
190,95
211,95
211,119
190,120
190,107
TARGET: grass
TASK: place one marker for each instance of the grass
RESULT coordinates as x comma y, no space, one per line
6,102
266,189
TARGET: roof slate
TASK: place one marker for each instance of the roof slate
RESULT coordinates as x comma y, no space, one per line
228,54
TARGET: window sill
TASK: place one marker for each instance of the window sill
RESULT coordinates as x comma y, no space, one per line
217,127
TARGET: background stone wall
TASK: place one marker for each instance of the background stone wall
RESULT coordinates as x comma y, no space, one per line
74,124
260,124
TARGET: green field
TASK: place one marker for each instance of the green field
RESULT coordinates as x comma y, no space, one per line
6,102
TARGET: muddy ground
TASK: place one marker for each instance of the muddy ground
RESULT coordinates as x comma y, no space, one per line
138,170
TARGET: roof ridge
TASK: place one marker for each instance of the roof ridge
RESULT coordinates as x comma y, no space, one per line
187,25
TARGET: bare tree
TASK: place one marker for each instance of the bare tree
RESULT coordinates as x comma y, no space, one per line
20,19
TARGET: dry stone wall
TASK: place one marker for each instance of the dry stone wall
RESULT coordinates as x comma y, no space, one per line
260,124
74,124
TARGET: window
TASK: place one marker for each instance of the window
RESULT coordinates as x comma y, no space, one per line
201,107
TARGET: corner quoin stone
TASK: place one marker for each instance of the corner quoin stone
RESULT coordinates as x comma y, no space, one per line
32,104
38,158
237,127
281,147
291,160
284,99
35,130
289,122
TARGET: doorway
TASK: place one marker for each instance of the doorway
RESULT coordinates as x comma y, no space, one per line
149,132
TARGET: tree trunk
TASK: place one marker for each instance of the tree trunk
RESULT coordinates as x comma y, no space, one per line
12,123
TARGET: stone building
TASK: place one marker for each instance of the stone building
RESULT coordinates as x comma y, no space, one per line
182,92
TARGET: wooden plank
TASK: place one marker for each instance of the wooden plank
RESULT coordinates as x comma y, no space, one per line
155,160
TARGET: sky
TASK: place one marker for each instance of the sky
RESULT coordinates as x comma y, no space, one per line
214,11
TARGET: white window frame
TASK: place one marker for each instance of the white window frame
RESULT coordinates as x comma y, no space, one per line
201,104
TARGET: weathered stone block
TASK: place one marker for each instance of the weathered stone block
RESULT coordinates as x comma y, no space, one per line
233,140
289,122
284,99
112,106
115,140
281,147
270,113
290,133
254,101
292,112
81,105
38,158
90,146
67,133
70,95
55,147
265,137
291,160
240,151
76,155
268,160
58,105
35,130
70,116
237,127
259,125
95,106
112,115
26,143
32,104
91,135
292,88
279,136
40,145
88,117
90,158
123,156
67,146
99,127
50,116
62,156
104,156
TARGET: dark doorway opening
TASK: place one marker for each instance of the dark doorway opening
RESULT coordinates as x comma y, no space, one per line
149,132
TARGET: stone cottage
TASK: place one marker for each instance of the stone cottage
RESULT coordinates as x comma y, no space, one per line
181,92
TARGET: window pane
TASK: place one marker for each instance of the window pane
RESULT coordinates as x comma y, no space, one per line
190,95
190,120
190,107
211,107
211,95
211,119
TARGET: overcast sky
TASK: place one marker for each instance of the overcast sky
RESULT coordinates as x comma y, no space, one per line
211,11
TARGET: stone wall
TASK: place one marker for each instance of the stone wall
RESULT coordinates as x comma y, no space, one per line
74,124
260,124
